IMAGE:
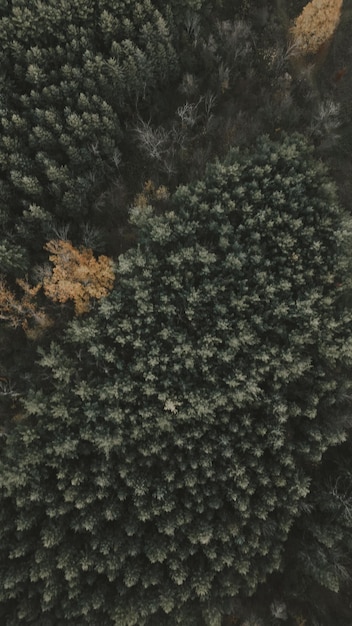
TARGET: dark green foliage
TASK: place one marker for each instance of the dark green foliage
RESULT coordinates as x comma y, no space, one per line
318,564
315,575
13,258
172,433
71,72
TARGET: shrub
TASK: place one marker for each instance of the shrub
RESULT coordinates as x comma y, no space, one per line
77,275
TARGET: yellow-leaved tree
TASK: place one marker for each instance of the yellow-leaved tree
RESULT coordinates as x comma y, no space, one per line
77,275
315,25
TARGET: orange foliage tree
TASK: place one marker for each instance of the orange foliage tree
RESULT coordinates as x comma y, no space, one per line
315,25
77,275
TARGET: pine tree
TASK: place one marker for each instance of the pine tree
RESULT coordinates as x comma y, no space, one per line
72,70
172,434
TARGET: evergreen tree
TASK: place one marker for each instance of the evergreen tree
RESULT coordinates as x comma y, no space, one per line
13,257
315,575
173,432
77,275
71,71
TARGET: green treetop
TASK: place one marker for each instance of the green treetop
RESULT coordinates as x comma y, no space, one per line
172,433
71,72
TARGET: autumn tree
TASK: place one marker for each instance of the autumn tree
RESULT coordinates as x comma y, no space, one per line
172,433
21,310
77,275
315,25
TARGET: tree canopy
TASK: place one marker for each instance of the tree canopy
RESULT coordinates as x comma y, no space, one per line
77,275
172,432
71,74
315,26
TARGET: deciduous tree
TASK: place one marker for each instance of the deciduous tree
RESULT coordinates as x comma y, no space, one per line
316,25
20,310
77,275
71,71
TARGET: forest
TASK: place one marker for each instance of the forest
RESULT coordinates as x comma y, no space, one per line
176,313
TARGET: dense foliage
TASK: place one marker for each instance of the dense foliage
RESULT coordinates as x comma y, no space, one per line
172,433
71,72
106,104
317,564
